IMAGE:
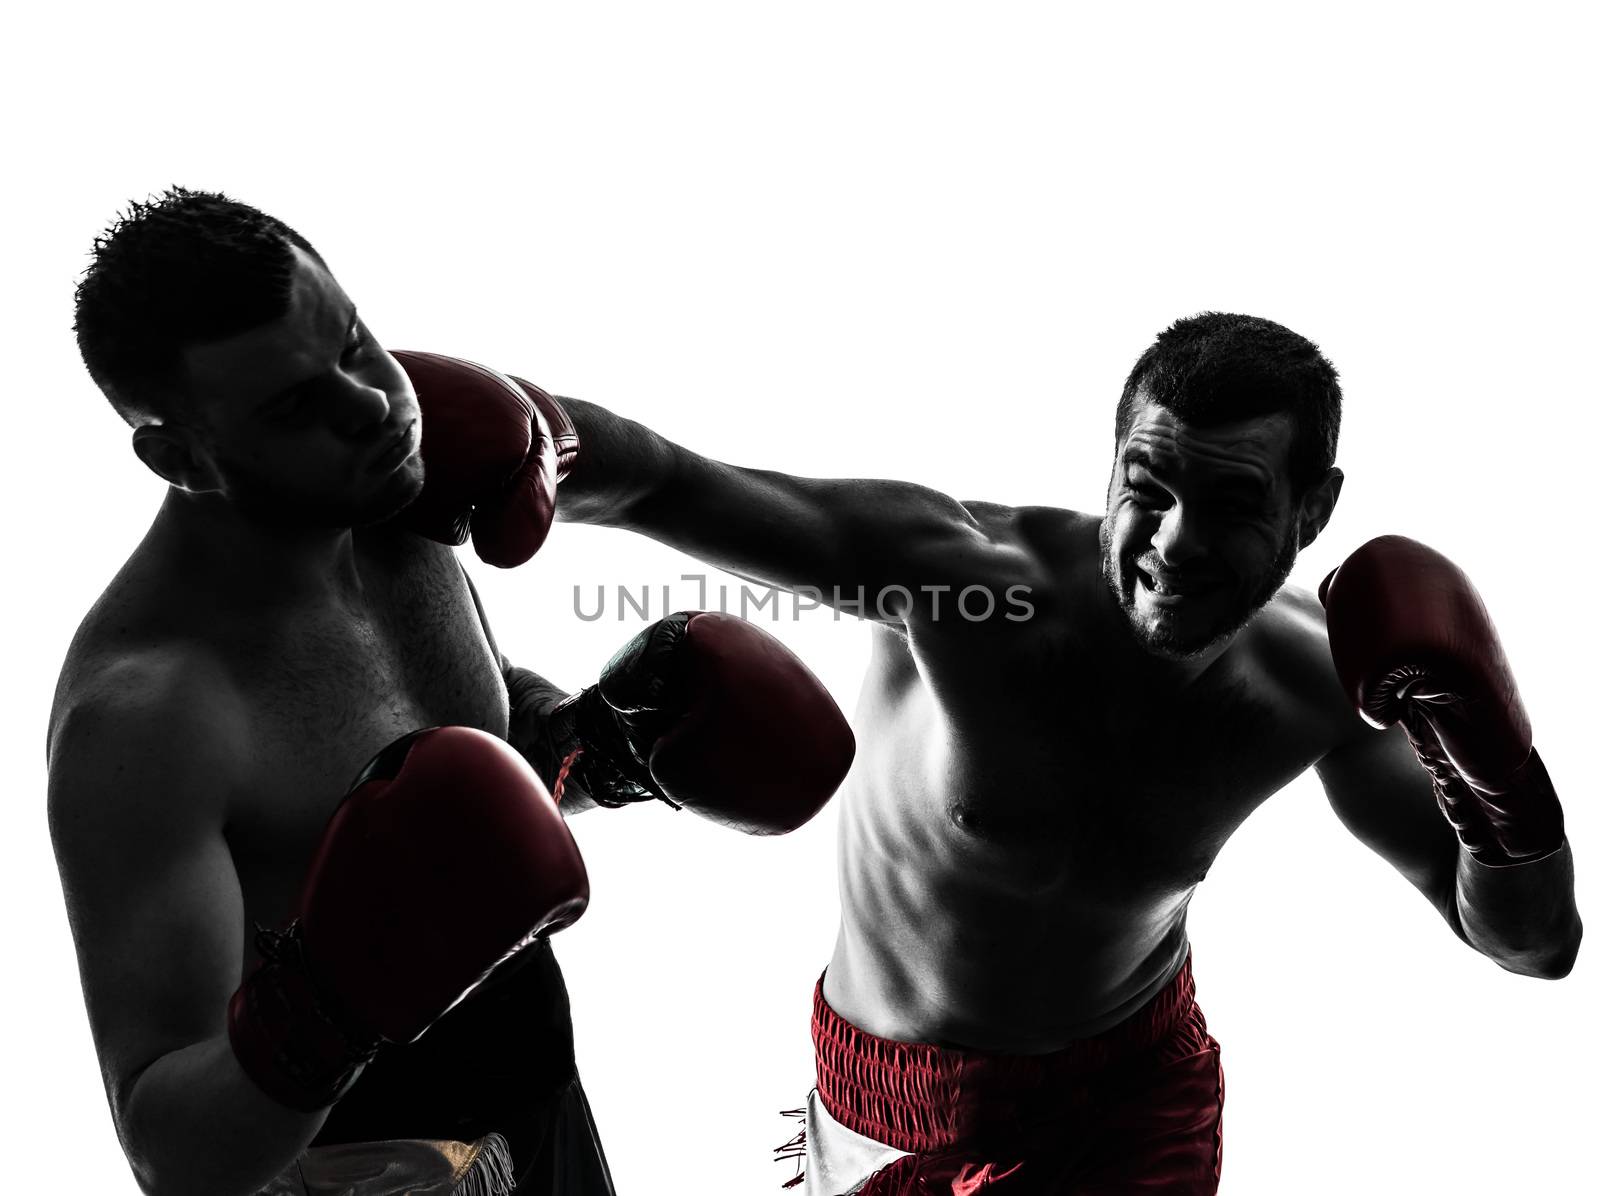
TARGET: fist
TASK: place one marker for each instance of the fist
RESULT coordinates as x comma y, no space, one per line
1413,643
491,458
446,857
711,714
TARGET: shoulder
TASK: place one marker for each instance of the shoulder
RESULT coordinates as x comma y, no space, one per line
1055,537
1289,645
142,739
143,635
183,690
1303,614
1033,560
1029,522
1289,639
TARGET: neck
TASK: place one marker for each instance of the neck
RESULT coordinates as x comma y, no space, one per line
247,562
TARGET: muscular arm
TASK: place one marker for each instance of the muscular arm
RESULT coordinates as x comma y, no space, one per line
1524,917
532,698
842,539
139,775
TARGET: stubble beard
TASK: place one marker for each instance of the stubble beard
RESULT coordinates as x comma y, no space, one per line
1160,640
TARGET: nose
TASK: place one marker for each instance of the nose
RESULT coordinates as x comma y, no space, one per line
1177,540
361,406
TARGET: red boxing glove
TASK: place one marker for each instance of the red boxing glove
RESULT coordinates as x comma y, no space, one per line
493,449
1413,644
446,857
709,713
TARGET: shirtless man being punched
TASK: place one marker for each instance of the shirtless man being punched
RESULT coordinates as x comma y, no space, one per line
1050,767
295,619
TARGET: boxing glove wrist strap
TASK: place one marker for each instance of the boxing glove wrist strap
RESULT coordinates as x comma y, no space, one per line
594,750
1517,821
285,1032
563,433
1524,815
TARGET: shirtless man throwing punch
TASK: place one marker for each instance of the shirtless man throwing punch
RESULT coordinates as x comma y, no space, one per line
1009,1005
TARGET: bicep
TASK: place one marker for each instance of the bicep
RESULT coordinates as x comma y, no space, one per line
1385,797
152,895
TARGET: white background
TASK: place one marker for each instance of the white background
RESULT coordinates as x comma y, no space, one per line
916,241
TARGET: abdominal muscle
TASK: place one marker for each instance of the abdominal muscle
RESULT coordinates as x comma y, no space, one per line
926,959
1016,945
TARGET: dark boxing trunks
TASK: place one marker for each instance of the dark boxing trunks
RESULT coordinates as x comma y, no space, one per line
1135,1109
500,1062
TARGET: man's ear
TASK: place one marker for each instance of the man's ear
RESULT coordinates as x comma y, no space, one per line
170,452
1316,506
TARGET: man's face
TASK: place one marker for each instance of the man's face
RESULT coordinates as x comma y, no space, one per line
1199,530
307,421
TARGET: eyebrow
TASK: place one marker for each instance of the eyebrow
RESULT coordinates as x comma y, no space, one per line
278,396
1233,484
1142,457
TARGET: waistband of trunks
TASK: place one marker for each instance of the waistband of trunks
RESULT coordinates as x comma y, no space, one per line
915,1096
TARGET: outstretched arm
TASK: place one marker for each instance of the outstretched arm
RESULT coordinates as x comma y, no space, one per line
856,544
495,447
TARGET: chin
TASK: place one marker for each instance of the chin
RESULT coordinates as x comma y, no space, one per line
1176,638
1164,644
291,511
1182,652
403,490
385,508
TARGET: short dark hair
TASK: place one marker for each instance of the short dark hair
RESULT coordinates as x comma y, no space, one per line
1216,368
182,268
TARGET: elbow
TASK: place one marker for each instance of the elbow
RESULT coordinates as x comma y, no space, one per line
165,1163
154,1176
1558,964
145,1175
1551,960
175,1178
170,1181
1533,932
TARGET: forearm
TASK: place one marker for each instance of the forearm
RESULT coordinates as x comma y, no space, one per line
620,465
194,1122
1523,917
859,544
752,523
532,733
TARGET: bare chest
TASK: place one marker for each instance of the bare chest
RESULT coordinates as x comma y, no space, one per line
331,688
1026,770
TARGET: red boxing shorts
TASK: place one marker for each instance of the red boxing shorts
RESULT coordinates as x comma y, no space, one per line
1135,1109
